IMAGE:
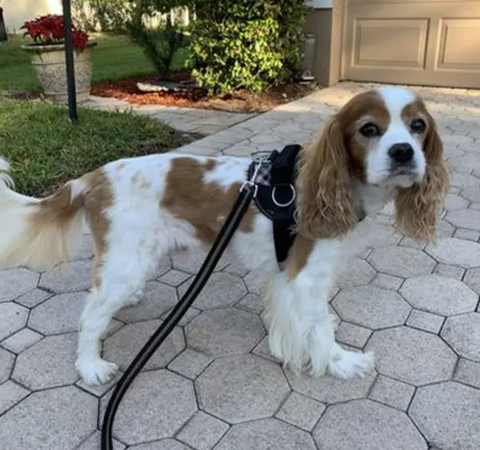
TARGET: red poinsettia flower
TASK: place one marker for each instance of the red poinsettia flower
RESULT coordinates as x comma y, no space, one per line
48,30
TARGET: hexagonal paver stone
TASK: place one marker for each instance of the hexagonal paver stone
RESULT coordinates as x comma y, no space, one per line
21,340
412,356
59,314
439,295
301,411
371,307
54,419
12,318
155,407
256,281
385,235
454,202
366,425
203,431
69,277
222,289
33,298
224,332
6,364
174,277
164,444
10,394
401,261
327,389
358,273
124,345
48,363
93,443
240,388
463,334
468,372
16,282
472,278
456,252
392,392
464,218
266,434
191,260
156,300
448,415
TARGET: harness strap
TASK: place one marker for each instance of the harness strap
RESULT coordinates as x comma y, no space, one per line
284,174
276,196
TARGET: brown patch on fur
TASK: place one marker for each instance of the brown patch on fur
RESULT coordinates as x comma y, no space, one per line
210,164
368,104
301,250
58,207
98,197
327,166
417,208
204,205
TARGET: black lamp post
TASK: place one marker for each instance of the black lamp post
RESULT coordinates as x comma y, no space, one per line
72,96
3,30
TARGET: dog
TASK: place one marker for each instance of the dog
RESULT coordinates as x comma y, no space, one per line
382,146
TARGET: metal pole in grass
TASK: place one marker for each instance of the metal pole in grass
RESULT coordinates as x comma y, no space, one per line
72,96
3,29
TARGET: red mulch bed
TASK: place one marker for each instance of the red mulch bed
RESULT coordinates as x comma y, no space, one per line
241,101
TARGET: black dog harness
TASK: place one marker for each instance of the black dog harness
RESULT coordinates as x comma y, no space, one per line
274,174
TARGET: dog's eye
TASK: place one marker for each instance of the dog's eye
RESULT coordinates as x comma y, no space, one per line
370,130
418,126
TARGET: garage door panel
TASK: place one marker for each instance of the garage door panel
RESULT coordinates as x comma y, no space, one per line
430,42
459,44
375,38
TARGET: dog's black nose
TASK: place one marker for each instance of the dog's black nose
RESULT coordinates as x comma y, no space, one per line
401,153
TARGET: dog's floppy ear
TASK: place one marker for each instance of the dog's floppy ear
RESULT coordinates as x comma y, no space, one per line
417,208
326,207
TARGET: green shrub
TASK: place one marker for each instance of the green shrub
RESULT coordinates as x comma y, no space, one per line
246,44
161,43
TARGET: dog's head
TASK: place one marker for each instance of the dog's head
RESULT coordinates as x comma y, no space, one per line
384,137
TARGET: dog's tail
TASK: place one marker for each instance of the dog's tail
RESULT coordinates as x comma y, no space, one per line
38,233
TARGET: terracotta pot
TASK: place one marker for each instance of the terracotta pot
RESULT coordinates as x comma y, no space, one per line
49,64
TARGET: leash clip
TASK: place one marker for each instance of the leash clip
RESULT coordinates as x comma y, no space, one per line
252,186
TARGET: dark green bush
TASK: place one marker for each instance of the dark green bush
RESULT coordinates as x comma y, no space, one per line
245,43
161,43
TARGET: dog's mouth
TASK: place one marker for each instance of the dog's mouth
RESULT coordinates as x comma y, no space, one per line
404,177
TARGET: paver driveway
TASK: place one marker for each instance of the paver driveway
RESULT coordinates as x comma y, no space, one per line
214,385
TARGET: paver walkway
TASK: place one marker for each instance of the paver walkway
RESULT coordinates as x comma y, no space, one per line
215,386
188,120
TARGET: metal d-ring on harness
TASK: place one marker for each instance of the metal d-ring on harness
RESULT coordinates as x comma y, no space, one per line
248,192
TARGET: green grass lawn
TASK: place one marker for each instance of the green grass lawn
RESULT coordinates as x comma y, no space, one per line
46,150
115,58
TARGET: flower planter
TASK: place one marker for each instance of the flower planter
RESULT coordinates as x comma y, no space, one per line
49,64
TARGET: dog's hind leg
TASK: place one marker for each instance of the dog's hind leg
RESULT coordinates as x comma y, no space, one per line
114,286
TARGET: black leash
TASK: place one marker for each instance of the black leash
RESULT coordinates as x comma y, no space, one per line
247,193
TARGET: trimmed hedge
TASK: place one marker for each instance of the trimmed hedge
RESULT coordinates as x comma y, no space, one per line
246,44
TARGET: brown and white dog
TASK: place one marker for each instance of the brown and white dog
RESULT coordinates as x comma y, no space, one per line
383,145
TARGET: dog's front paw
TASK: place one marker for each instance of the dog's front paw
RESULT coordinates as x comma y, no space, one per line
346,365
96,372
